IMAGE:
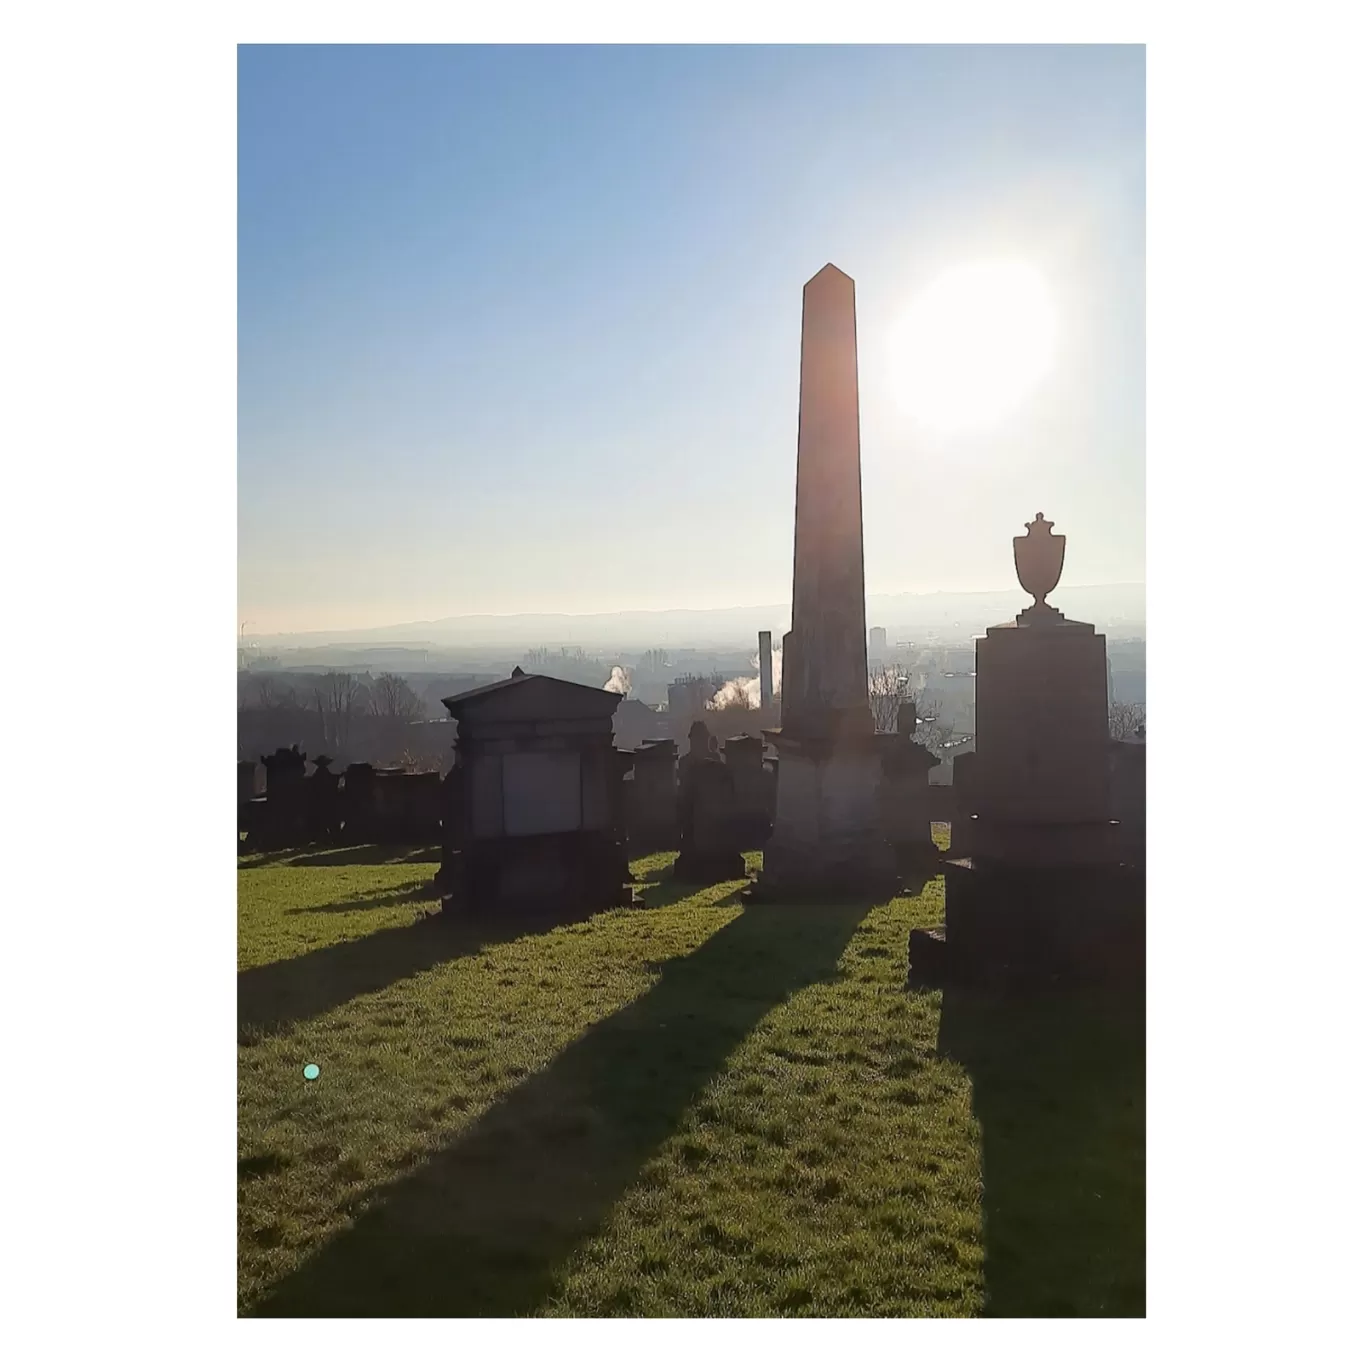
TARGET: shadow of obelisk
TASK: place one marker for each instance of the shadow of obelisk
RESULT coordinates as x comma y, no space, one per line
827,840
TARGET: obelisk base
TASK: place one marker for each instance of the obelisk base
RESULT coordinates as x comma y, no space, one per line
828,842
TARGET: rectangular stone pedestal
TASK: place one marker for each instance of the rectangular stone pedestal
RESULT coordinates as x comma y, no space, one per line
1041,923
828,840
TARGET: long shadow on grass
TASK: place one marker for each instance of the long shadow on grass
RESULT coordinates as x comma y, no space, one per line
1059,1092
417,890
273,997
342,855
483,1227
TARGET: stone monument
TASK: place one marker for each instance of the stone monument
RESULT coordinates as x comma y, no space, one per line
539,803
1043,894
827,839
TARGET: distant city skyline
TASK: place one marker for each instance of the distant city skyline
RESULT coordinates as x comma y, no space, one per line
518,327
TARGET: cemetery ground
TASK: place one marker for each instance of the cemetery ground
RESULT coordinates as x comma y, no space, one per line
698,1107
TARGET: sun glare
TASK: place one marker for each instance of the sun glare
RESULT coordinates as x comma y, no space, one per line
976,341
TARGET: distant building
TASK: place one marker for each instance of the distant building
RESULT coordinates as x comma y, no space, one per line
878,643
690,695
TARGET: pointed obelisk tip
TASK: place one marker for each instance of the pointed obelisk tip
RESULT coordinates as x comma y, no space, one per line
829,273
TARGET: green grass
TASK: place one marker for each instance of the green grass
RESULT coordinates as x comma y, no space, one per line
694,1108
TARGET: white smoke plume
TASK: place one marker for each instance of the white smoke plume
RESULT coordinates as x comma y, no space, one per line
735,691
621,681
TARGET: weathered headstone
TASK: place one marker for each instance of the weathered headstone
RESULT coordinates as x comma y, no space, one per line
709,835
744,757
286,812
905,797
828,838
652,797
324,801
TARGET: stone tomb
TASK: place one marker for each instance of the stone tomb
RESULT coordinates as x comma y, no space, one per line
1043,894
539,802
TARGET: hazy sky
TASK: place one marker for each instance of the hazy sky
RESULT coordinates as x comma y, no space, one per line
518,327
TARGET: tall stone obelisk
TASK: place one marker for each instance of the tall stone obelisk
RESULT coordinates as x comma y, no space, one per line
827,836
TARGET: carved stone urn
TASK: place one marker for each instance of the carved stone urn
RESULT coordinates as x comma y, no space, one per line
1039,564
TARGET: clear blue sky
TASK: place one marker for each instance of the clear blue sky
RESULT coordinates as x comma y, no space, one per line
518,327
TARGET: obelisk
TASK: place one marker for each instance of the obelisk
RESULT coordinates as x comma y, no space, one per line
826,680
827,838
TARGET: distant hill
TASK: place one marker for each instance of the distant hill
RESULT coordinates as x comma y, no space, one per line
972,612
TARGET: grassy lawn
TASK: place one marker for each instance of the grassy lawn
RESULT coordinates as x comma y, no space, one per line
694,1108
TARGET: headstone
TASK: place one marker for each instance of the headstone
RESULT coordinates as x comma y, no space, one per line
248,807
828,839
709,840
744,757
652,797
324,801
962,822
358,804
905,797
1128,800
286,811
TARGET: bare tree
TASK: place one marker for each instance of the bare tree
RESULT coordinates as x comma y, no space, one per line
889,689
1126,721
336,699
392,696
931,732
275,694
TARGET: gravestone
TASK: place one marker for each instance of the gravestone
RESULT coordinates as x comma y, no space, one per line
709,834
324,801
827,839
905,796
744,757
962,822
651,797
286,807
1127,784
358,804
248,808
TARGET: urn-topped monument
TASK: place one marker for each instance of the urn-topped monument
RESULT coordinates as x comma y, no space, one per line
1041,720
1041,889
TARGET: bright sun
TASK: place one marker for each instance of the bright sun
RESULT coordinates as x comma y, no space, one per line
973,345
